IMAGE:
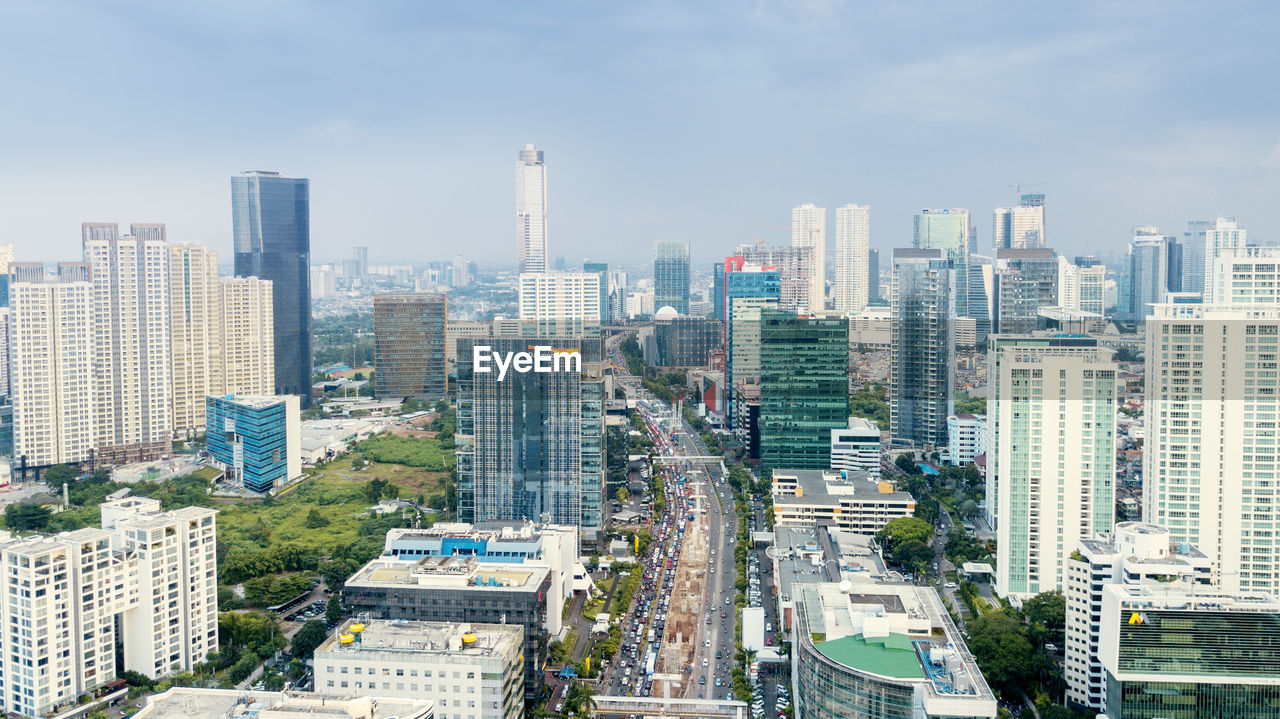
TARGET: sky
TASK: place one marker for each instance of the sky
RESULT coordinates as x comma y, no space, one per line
698,121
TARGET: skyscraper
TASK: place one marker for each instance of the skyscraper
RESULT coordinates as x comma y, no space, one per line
853,247
1026,279
671,275
1082,285
981,289
804,388
747,289
560,302
409,346
601,270
361,257
531,446
1022,226
1051,464
948,230
51,364
1221,233
873,276
195,300
1245,275
809,229
132,362
1193,261
531,211
1209,456
922,364
793,265
271,222
1151,272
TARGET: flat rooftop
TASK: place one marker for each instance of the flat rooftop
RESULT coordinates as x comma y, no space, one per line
818,486
434,637
891,656
193,703
449,572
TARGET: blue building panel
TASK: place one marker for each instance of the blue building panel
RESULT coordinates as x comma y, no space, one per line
249,436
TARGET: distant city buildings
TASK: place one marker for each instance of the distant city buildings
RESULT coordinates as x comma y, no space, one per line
531,211
1082,285
922,367
1219,234
410,346
853,244
1021,227
1153,269
1025,281
671,276
809,230
794,266
271,222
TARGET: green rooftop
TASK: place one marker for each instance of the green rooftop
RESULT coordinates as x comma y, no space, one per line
891,656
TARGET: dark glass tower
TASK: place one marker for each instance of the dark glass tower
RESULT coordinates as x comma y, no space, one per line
271,222
671,276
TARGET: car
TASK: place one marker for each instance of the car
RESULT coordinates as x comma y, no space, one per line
723,614
719,682
951,585
702,680
708,620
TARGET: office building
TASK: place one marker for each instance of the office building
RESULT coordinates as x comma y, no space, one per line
459,589
948,230
271,223
409,346
601,270
686,341
1051,465
849,500
221,328
531,211
1183,653
324,282
804,388
1153,269
745,420
1245,275
1025,281
531,446
198,703
1021,227
881,652
793,265
51,365
853,246
1133,554
255,440
566,300
981,289
746,289
1082,286
873,276
872,328
809,229
922,365
468,670
554,546
856,448
967,437
1209,454
671,275
132,360
1220,234
360,255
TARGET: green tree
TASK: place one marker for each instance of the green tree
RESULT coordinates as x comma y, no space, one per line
374,489
58,475
623,495
907,464
315,520
26,517
1047,613
311,635
914,555
999,642
902,530
333,609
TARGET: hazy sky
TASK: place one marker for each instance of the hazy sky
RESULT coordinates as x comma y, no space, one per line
702,121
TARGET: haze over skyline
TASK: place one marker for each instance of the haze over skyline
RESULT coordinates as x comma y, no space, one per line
706,124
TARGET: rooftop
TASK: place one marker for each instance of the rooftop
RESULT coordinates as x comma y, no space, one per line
253,401
818,486
449,572
192,703
437,637
890,655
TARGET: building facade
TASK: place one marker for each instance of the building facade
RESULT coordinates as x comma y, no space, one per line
671,275
409,345
794,267
1025,281
686,341
809,229
1051,465
856,448
1218,234
967,438
271,223
853,246
531,211
848,500
560,299
922,366
1082,286
804,386
948,230
256,440
1245,276
1152,271
1021,227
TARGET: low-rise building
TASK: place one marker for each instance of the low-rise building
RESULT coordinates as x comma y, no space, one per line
1179,650
856,448
459,589
467,670
193,703
851,501
1135,553
323,439
881,651
256,440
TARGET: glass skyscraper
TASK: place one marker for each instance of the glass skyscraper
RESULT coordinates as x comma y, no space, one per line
922,367
601,270
948,230
1025,281
409,346
271,224
671,275
804,388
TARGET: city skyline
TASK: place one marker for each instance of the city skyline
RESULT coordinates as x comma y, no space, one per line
1005,111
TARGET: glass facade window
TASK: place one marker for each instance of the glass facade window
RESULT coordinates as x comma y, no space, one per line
804,388
409,346
922,365
686,341
671,276
250,437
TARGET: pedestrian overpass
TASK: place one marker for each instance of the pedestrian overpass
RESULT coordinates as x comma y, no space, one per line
610,706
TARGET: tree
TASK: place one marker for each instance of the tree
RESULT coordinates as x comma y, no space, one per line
58,475
333,609
315,520
374,489
902,530
1047,612
623,495
914,555
999,642
907,464
26,517
311,635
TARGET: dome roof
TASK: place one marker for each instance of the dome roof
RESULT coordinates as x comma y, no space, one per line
666,312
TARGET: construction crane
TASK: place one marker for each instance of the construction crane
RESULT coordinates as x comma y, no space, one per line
1017,188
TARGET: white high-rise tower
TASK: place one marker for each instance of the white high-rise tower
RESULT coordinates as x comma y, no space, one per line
1222,233
531,210
853,250
809,229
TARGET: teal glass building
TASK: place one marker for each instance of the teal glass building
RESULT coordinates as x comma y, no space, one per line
804,388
